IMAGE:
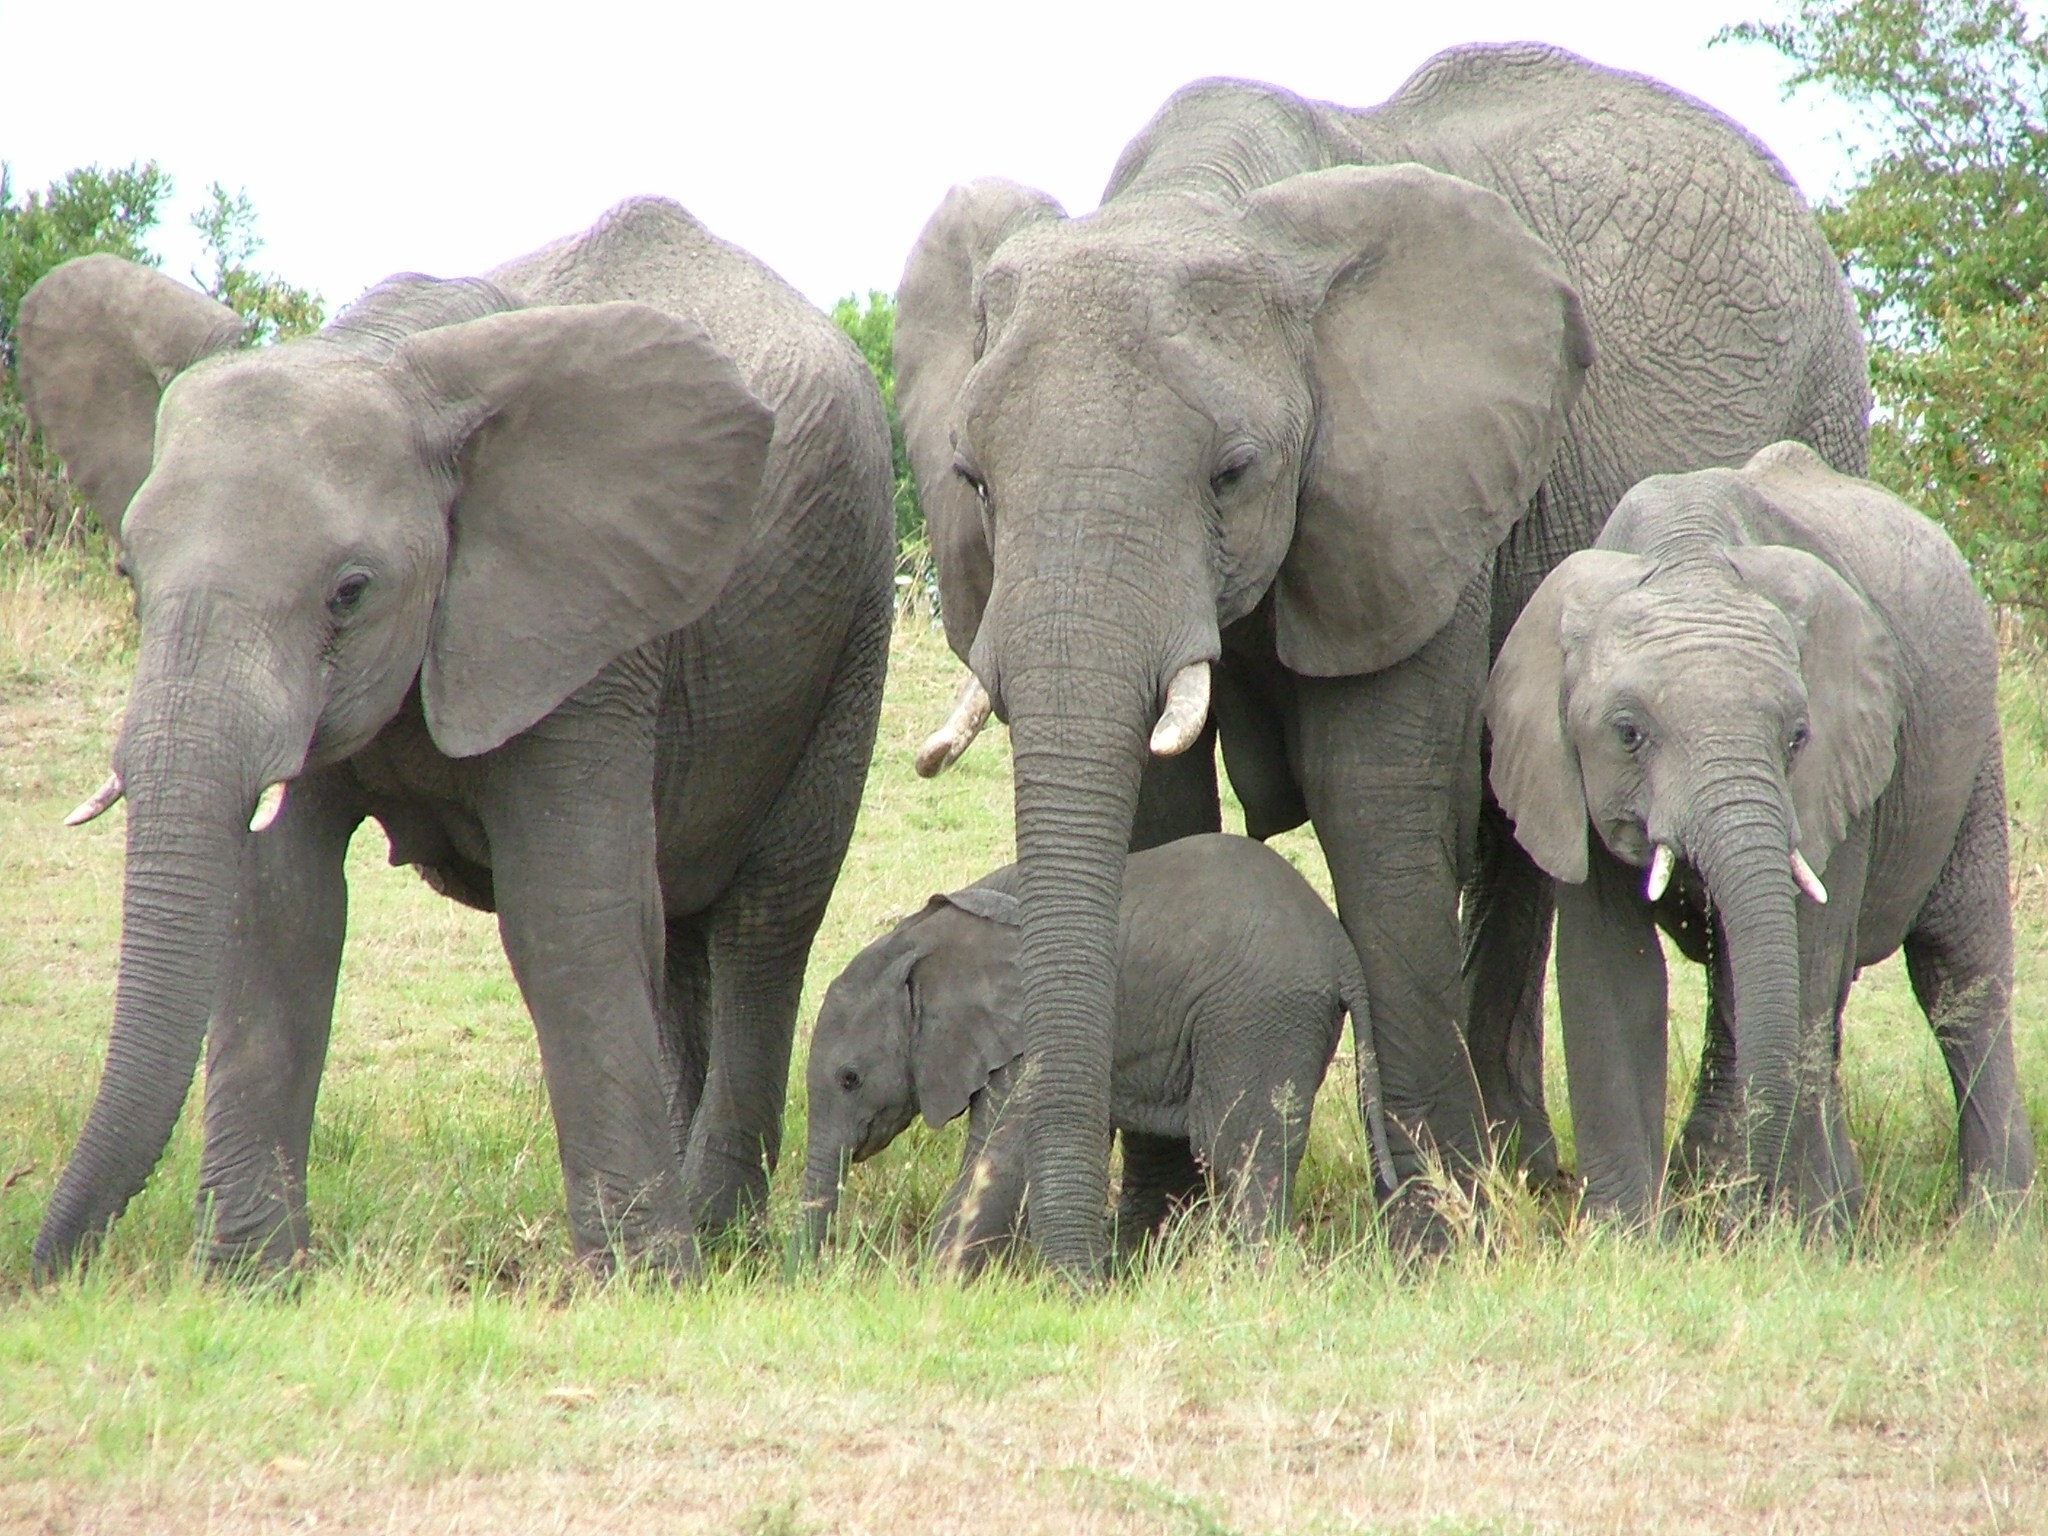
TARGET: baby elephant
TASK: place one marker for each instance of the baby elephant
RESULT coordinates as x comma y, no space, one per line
1774,689
1234,979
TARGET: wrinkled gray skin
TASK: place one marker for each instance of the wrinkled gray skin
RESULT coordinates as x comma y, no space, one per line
515,567
1284,401
1233,979
1748,664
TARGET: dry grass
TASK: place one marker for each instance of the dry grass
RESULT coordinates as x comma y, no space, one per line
441,1369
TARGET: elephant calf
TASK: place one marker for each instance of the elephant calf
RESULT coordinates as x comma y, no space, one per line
1234,979
1775,687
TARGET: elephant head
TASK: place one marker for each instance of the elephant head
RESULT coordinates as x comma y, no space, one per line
1131,429
440,492
917,1023
1700,693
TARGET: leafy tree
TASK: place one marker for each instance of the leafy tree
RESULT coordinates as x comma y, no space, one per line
93,210
275,310
86,211
871,324
1945,234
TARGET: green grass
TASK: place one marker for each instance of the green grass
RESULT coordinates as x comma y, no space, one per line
443,1366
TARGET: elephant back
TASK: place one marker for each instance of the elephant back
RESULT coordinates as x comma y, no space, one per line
1702,362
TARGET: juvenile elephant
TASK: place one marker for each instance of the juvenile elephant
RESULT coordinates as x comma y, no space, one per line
1233,979
1291,426
577,579
1775,687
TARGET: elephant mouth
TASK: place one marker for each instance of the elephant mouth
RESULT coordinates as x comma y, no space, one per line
1628,840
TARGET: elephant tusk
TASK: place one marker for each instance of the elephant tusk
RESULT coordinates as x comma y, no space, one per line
1809,882
269,806
1661,865
942,749
1186,712
98,803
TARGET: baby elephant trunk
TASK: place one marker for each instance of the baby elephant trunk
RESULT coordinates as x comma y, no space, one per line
824,1173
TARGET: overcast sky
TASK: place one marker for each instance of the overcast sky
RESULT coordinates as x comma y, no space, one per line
376,137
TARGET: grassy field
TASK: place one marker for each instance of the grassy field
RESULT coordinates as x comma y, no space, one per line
443,1368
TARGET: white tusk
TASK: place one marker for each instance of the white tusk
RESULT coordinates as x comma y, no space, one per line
1809,882
1186,712
942,749
269,805
1661,864
101,801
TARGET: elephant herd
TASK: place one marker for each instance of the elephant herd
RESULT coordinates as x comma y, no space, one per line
1477,471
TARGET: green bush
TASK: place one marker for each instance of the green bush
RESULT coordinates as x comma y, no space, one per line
1945,235
88,211
871,324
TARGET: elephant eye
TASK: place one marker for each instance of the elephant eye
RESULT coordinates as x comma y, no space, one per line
348,592
1232,471
849,1079
1630,735
980,485
1797,739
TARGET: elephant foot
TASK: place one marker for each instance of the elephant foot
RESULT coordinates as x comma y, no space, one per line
258,1266
1417,1224
1993,1209
245,1236
725,1185
666,1255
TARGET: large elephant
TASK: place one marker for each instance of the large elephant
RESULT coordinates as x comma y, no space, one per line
1775,688
577,579
1293,411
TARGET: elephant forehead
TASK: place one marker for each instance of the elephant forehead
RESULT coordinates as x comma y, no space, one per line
303,401
1720,646
261,441
1141,277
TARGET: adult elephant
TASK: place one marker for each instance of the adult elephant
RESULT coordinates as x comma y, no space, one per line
577,580
1294,411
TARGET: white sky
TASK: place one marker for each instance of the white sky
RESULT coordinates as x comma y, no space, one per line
444,138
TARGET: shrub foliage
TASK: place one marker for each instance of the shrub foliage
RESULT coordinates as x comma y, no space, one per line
1945,233
92,210
871,324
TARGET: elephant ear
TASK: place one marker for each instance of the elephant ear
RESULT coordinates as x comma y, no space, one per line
97,341
608,458
1448,348
1853,710
967,1027
1535,766
938,341
995,906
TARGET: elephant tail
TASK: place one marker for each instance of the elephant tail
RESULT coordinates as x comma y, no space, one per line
1372,1107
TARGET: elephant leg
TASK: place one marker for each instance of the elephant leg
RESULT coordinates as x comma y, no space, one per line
1824,1180
1160,1179
1507,914
1709,1152
267,1042
1389,764
984,1210
570,818
759,935
1177,795
1252,1160
1611,998
684,1018
1959,956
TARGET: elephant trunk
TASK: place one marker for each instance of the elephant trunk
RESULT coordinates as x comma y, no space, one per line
1082,679
195,755
824,1174
1743,848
